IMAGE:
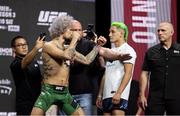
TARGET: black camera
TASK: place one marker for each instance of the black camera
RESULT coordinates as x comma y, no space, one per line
42,34
89,31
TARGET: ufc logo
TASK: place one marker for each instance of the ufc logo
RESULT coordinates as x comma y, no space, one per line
46,17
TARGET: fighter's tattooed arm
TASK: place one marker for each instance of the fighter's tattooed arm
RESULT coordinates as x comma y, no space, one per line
69,53
88,58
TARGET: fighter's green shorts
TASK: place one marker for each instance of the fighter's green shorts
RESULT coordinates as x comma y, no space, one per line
58,95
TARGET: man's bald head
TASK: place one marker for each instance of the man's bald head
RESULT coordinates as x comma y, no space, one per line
167,25
76,26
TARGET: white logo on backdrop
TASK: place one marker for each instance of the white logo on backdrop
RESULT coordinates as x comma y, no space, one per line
6,52
7,16
5,88
46,17
7,113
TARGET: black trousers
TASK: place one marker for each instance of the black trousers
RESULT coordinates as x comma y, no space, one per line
24,108
158,106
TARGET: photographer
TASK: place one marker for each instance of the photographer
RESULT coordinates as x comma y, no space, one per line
26,74
82,76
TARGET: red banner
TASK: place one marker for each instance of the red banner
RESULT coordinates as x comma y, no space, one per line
140,48
143,18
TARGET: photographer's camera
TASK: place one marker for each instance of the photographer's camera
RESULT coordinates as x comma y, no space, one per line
89,31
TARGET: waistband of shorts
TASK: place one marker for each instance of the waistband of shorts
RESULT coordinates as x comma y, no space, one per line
56,88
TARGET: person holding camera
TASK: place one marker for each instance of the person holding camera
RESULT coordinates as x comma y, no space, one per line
82,76
26,74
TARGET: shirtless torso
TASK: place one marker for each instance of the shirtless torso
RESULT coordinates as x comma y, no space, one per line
56,71
56,61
